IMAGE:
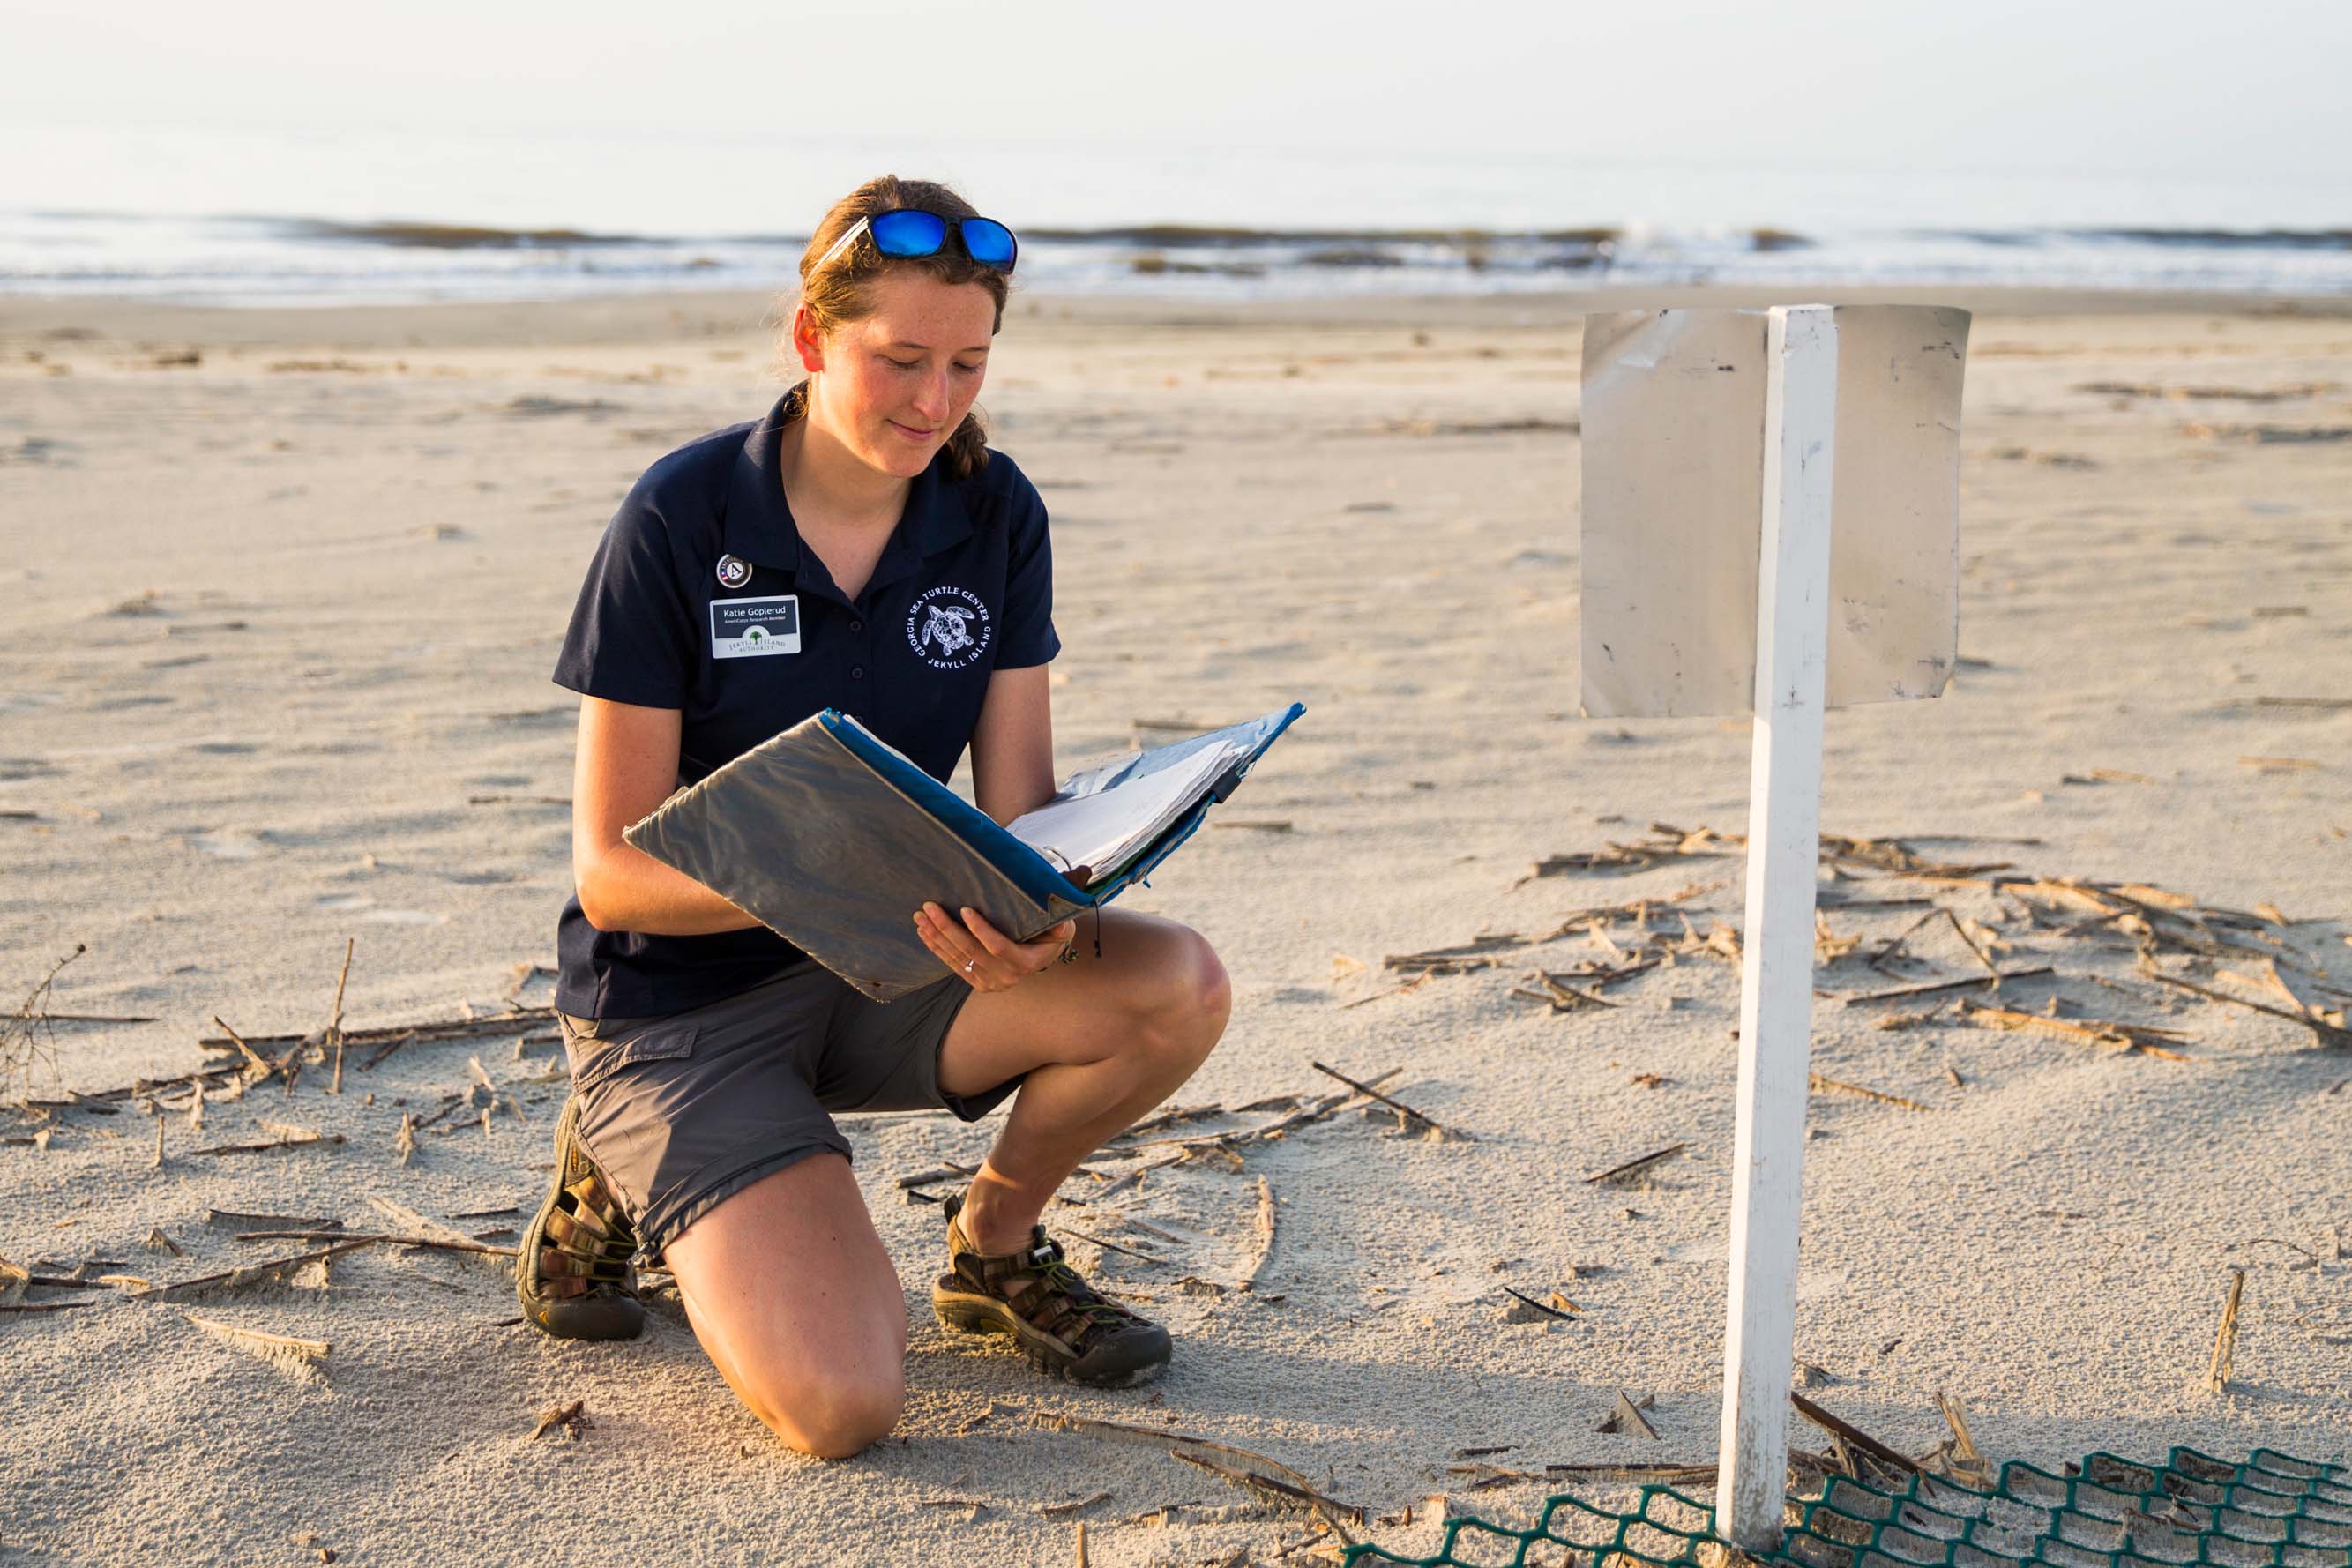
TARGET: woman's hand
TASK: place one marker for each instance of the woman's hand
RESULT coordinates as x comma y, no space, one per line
984,956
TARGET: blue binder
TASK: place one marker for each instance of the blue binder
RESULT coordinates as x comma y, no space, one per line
831,839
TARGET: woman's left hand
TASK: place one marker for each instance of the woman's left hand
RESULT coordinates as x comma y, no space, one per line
985,957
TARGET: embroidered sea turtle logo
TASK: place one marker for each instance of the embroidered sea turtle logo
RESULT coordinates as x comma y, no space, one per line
949,628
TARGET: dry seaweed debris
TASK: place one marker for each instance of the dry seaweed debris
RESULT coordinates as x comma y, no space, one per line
572,1417
2140,918
235,1219
1057,1509
1853,1436
289,1138
1665,842
1318,1110
1625,1418
1530,1311
1822,1085
444,1243
1552,988
27,1035
274,1272
2326,1027
1479,952
1238,1465
2128,1037
1265,1238
1411,1117
1958,1455
272,1347
1289,1492
422,1231
397,1034
1895,858
2153,919
1967,981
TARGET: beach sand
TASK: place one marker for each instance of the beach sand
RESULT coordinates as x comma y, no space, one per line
282,590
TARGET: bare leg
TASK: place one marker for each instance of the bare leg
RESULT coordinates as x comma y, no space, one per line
1102,1039
797,1304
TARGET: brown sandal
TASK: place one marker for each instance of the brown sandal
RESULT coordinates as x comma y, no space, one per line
572,1272
1063,1325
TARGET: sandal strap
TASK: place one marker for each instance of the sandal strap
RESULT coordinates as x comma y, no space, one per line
1049,1295
587,1244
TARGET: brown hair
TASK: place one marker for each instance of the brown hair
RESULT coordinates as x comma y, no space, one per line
843,292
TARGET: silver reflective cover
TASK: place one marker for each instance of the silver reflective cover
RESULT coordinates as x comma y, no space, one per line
1673,477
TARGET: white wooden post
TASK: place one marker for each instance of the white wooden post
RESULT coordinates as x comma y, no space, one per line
1776,989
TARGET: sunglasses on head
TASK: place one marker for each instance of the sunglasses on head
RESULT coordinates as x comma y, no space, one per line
908,231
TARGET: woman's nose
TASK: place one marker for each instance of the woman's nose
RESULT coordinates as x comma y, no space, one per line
933,400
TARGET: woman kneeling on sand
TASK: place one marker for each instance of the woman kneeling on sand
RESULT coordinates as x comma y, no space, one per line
706,1052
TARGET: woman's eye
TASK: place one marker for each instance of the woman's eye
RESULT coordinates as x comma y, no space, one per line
970,369
901,364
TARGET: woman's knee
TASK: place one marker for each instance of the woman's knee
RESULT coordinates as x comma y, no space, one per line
831,1416
1193,996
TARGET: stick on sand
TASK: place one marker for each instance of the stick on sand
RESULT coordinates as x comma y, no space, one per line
2225,1341
1396,1105
1853,1436
1635,1167
335,1023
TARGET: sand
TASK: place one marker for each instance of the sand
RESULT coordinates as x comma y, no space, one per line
282,592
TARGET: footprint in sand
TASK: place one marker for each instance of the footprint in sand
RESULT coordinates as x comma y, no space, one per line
364,907
229,843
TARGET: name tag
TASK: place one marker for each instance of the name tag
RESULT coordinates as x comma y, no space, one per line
755,629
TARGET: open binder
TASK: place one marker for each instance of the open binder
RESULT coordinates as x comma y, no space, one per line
833,839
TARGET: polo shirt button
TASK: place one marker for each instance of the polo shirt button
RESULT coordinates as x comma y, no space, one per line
857,625
856,672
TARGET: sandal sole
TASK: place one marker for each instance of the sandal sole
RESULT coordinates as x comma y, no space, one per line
611,1320
967,1314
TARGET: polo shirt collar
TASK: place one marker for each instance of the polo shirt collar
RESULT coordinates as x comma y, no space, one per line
759,524
760,530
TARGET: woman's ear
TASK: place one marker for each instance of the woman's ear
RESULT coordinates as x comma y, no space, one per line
807,340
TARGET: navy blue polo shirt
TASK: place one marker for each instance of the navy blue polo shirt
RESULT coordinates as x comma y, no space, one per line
702,598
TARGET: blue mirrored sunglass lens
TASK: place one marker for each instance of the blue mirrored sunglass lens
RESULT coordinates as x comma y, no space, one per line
909,233
988,241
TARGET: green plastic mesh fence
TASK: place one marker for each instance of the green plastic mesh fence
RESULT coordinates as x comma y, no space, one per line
2272,1510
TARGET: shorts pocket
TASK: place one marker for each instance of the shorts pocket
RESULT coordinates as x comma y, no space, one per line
596,1056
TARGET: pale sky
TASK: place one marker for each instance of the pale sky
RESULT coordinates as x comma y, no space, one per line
2256,90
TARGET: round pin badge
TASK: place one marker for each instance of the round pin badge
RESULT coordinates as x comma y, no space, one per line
733,570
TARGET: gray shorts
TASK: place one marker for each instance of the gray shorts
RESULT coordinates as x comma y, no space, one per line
685,1109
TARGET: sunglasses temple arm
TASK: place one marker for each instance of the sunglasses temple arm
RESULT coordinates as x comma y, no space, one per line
848,235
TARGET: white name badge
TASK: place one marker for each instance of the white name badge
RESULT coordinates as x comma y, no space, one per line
755,629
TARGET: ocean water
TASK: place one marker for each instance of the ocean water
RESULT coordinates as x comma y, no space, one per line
243,216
